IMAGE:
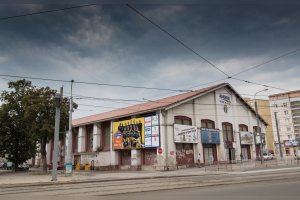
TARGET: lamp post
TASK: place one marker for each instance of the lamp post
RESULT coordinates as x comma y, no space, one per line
258,130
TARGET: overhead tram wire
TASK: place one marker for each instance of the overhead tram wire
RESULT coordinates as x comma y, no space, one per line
260,84
45,11
94,83
209,62
266,62
176,39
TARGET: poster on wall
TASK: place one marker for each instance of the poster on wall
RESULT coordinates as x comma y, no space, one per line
291,143
210,136
136,133
246,137
185,134
151,131
129,134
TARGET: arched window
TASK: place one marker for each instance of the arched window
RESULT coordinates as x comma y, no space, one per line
183,120
255,129
243,127
227,132
207,123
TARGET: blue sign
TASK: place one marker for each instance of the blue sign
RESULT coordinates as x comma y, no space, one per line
210,136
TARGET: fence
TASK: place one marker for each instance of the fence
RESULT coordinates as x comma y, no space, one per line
238,165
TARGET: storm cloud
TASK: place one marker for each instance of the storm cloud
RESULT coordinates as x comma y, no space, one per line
112,44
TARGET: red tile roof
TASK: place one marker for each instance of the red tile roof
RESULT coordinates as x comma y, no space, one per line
144,107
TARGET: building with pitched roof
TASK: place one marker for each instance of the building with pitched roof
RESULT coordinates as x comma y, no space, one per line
168,133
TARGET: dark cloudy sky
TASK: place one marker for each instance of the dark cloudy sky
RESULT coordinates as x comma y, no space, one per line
112,44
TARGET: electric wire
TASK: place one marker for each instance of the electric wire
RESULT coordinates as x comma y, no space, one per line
94,83
266,62
45,11
176,39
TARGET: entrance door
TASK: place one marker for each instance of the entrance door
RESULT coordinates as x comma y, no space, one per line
246,152
230,154
210,154
126,157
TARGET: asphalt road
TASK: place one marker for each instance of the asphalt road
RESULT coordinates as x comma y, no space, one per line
268,184
270,190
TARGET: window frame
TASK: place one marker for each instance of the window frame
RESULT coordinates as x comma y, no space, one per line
243,126
88,138
206,122
183,118
227,124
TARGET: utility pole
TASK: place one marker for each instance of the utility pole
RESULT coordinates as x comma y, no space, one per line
69,165
258,129
259,132
57,103
278,135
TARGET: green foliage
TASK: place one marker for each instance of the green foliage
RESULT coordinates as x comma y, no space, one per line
27,119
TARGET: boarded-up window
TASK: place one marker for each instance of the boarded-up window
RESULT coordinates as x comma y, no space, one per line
184,154
149,156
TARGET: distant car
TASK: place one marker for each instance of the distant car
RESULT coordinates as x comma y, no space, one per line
23,166
60,166
268,156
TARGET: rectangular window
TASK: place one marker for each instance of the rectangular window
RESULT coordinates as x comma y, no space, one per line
89,138
75,141
227,132
288,128
284,104
289,137
286,112
105,132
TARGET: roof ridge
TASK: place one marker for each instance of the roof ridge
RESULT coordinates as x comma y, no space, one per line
146,106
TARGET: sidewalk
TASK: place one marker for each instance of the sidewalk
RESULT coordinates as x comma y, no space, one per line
35,177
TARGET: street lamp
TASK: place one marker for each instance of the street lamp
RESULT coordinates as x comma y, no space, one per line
258,130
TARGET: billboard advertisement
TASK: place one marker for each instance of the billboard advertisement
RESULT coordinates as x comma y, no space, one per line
136,133
185,134
291,143
246,137
210,136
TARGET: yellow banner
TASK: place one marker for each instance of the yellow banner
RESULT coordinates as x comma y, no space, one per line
129,134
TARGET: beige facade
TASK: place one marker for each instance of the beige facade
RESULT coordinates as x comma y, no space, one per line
263,107
287,107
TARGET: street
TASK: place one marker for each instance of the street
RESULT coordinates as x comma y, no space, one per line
272,184
268,190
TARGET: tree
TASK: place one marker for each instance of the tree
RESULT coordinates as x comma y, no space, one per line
16,142
38,113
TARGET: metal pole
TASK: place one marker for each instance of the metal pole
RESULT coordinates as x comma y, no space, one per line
278,135
70,134
258,130
57,100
